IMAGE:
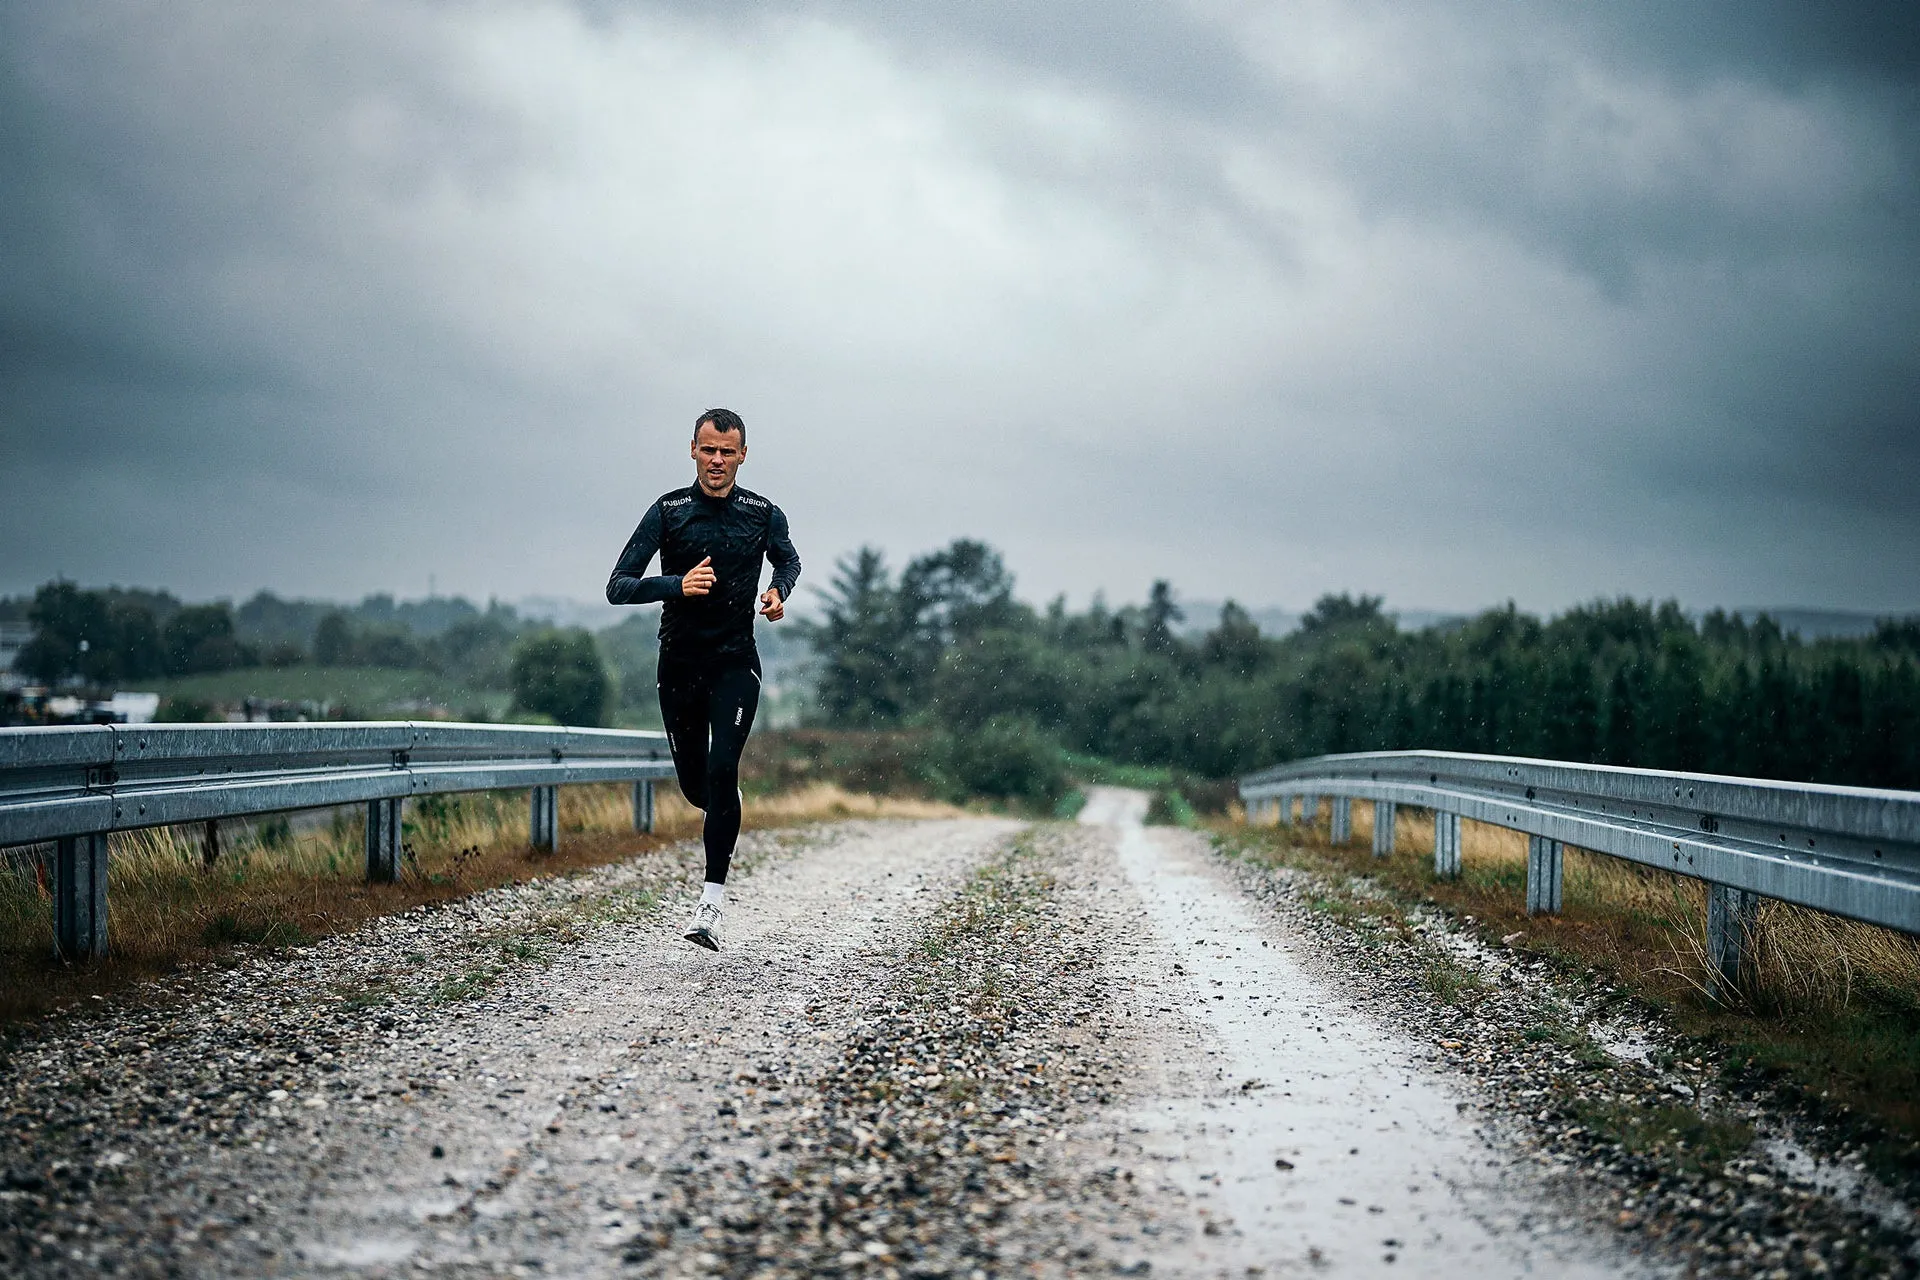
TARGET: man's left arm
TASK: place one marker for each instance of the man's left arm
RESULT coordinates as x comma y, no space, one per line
786,567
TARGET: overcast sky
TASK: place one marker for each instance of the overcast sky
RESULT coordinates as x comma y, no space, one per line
1455,302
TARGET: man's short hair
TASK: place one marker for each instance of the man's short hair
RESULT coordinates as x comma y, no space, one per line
725,421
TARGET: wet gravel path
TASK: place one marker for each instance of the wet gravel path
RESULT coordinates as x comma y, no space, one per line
958,1048
411,1094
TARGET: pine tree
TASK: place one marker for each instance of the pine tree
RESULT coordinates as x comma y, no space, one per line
1622,746
865,646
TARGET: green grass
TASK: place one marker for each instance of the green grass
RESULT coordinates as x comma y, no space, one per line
468,985
227,930
1338,908
1196,795
1170,809
1452,982
1701,1143
1109,774
364,691
375,993
540,941
1574,1041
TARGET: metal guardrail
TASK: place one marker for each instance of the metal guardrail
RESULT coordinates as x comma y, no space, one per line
73,786
1851,851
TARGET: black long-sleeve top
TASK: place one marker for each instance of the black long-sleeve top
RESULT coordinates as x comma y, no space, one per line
685,527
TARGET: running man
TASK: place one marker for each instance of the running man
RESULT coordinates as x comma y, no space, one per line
711,537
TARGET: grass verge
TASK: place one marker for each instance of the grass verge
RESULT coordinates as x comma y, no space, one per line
1213,797
1668,1131
1169,808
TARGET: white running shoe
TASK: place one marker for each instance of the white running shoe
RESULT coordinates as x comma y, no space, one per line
705,930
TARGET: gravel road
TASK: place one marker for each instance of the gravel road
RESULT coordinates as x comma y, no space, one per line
962,1048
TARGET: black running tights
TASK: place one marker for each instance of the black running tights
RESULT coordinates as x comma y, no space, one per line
708,711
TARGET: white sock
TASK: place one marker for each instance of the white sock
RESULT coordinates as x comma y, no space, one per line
714,893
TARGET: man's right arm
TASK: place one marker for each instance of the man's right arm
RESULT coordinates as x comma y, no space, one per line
627,586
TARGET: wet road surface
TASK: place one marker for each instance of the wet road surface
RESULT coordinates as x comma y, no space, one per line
1320,1136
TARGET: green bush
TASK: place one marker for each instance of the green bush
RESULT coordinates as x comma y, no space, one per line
200,637
1170,809
1007,758
559,673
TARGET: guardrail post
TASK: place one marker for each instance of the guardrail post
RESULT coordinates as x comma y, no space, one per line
1283,815
545,833
1383,815
643,805
1309,809
383,840
1544,862
1446,845
1732,915
1340,824
80,896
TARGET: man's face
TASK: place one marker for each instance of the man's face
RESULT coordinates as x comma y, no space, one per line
717,455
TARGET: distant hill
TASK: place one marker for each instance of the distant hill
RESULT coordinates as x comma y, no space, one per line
562,611
1817,624
1808,624
1203,615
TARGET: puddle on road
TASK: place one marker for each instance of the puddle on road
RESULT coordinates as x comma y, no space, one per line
1625,1041
369,1251
1843,1181
1388,1175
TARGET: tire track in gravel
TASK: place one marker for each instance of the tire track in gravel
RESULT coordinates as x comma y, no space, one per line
542,1174
412,1094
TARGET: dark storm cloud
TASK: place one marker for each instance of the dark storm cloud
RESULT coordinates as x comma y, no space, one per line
1778,39
1823,411
1494,299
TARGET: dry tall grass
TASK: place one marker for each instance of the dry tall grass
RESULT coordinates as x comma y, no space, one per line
273,886
825,801
1805,961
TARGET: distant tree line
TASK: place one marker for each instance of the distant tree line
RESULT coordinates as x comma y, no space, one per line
947,646
111,636
105,637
